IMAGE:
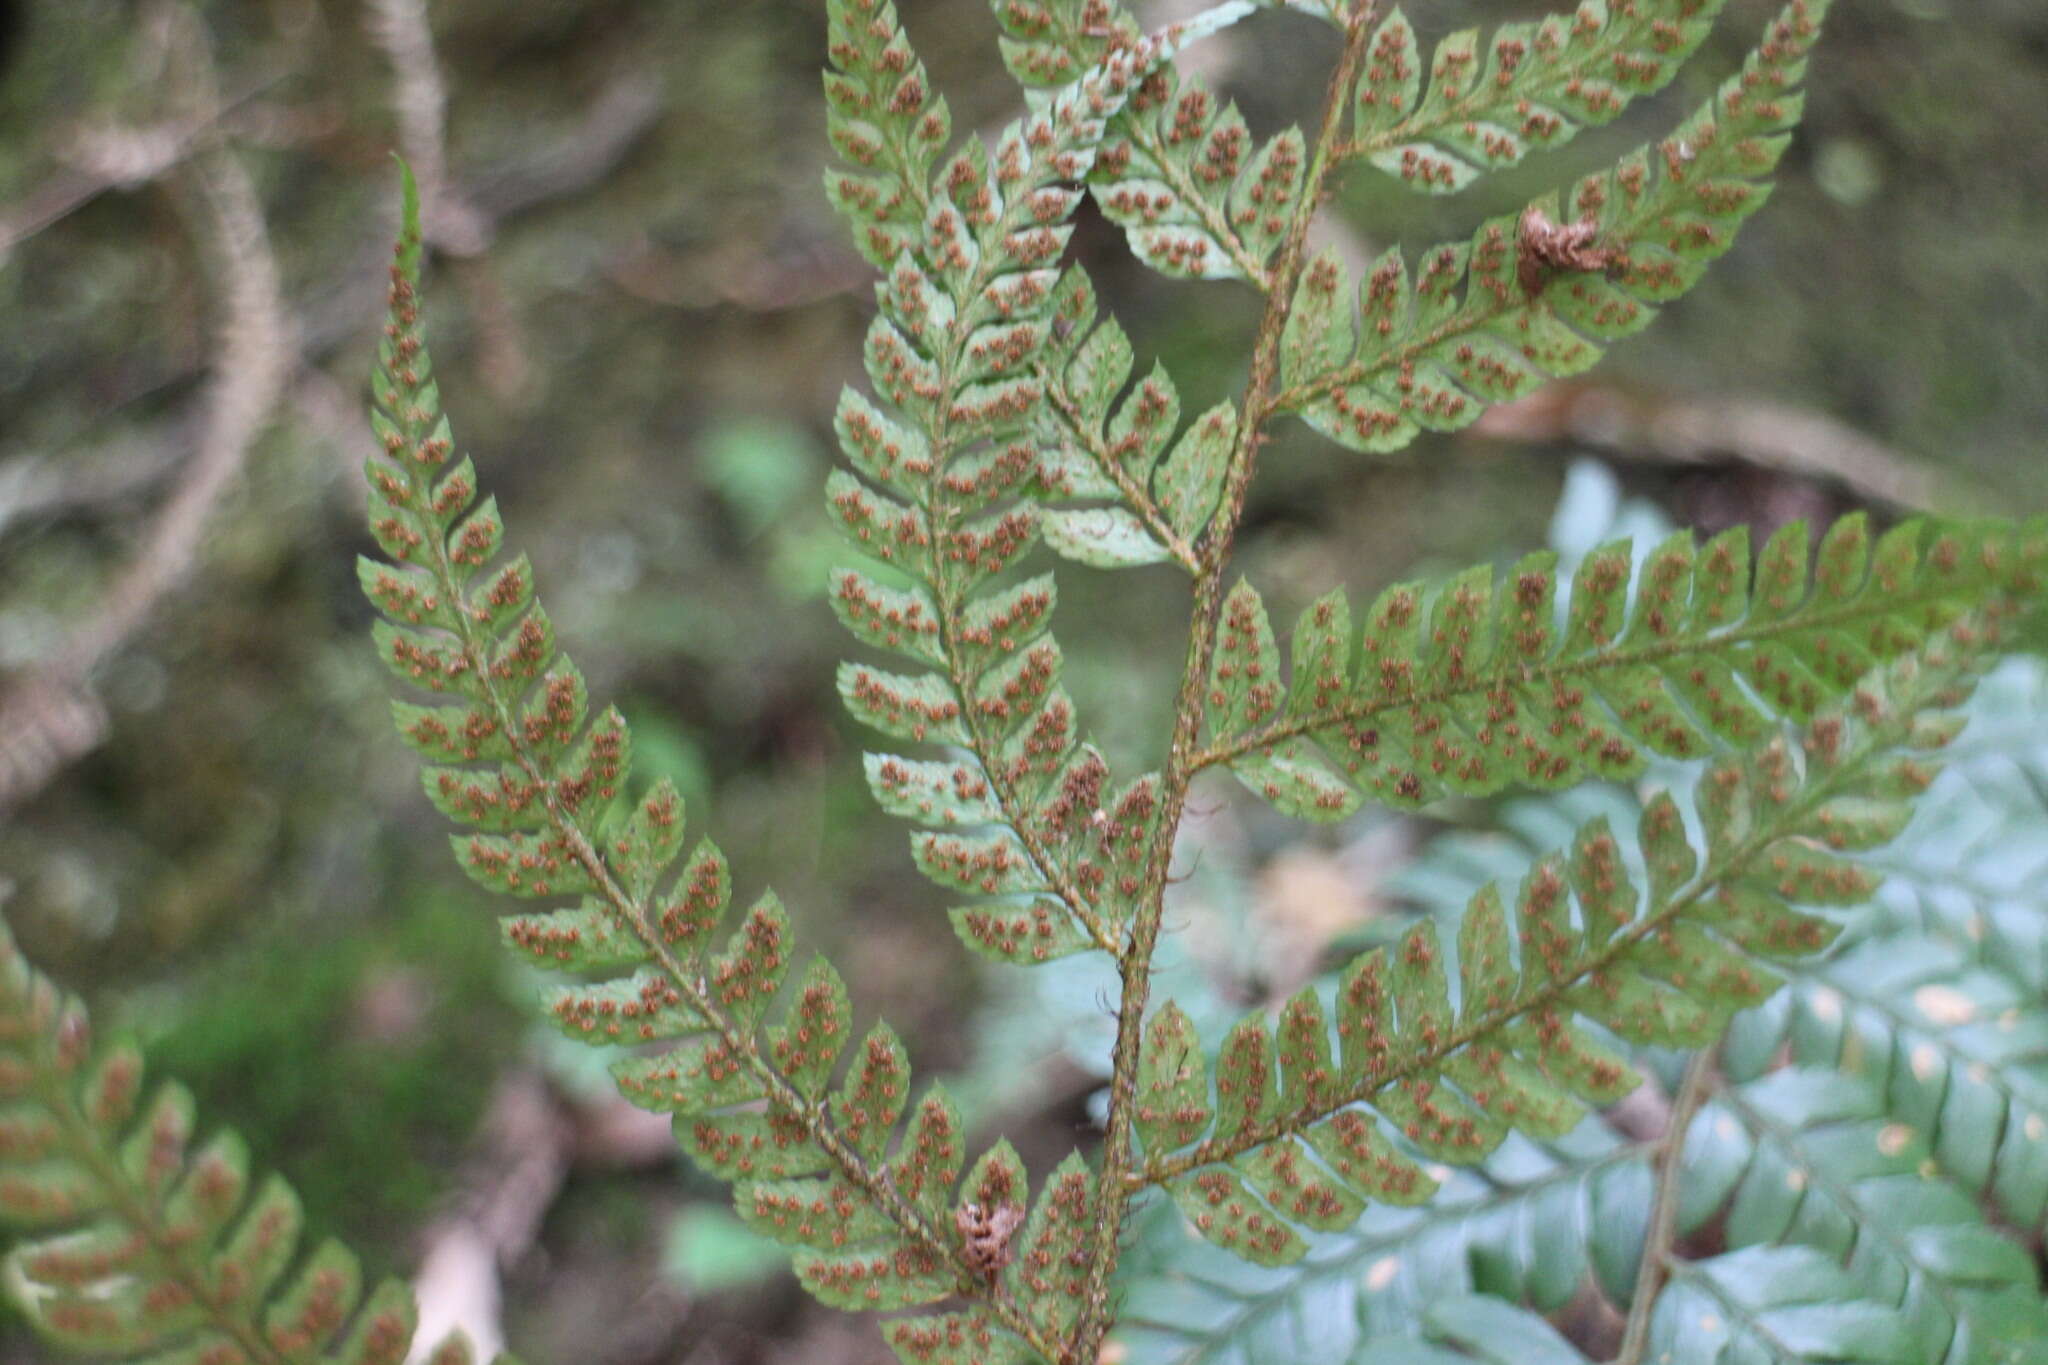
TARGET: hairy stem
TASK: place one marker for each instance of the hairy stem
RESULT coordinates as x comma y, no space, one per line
1663,1227
1135,966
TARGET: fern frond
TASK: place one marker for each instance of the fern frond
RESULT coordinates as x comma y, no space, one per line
1919,1102
1454,1070
1196,194
141,1244
1476,1327
1776,1304
880,1223
1954,1049
1525,1225
1529,298
1018,810
1472,686
1797,1158
1968,869
1812,1158
1531,88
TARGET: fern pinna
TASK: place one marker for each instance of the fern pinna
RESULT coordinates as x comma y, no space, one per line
1001,412
1859,1190
141,1246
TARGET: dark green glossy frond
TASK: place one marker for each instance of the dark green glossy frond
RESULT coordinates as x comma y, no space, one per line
1466,1328
1956,1052
1811,1158
1774,1305
1524,1225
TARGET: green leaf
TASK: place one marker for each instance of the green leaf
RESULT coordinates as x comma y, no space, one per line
954,1339
1488,321
1189,481
1173,1083
1469,698
1051,1264
1785,1302
1223,1210
807,1044
876,1281
1453,1076
1021,934
1531,88
1104,537
138,1243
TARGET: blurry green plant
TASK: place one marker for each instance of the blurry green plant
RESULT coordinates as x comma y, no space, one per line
1811,689
354,1052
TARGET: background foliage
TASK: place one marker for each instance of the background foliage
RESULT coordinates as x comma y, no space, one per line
647,357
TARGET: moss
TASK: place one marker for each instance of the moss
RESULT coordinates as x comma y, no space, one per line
369,1049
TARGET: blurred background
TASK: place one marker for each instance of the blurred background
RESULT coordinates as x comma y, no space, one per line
642,312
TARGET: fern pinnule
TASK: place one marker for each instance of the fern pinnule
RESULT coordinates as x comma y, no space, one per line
1098,443
1196,194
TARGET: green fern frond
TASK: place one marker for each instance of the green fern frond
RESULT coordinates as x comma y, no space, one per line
1453,1070
1531,88
141,1245
1775,1304
1812,1158
1196,194
1530,298
1020,812
1968,869
1525,1225
1475,1328
1473,686
1795,1159
881,1222
1915,1102
1954,1049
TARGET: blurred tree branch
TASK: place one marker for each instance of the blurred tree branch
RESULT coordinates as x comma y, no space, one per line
1780,437
50,716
